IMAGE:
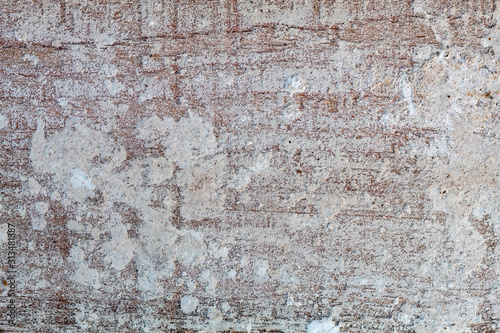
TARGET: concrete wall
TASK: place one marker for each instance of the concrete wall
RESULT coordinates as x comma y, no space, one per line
249,165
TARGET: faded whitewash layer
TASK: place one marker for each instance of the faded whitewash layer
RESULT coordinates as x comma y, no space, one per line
253,165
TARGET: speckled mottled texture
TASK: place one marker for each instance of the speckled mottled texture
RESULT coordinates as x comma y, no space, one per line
234,165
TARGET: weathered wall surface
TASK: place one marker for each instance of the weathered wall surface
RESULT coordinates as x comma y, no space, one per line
250,165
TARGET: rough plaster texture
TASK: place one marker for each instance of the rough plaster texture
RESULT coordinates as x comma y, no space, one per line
250,165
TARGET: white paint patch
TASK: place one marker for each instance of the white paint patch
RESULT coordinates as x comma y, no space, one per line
231,274
202,189
84,317
261,270
330,205
295,84
214,315
67,153
241,180
262,163
202,142
83,274
291,302
33,59
387,119
62,101
3,121
191,286
226,307
191,250
38,223
3,233
218,251
154,257
119,250
159,170
151,87
114,87
74,225
34,186
325,325
189,304
408,95
41,207
292,113
81,179
211,282
22,211
201,173
42,284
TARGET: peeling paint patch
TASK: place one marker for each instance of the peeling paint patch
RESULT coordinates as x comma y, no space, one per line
3,121
324,325
189,304
81,179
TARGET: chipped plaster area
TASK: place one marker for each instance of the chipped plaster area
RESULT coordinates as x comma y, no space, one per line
465,172
83,166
